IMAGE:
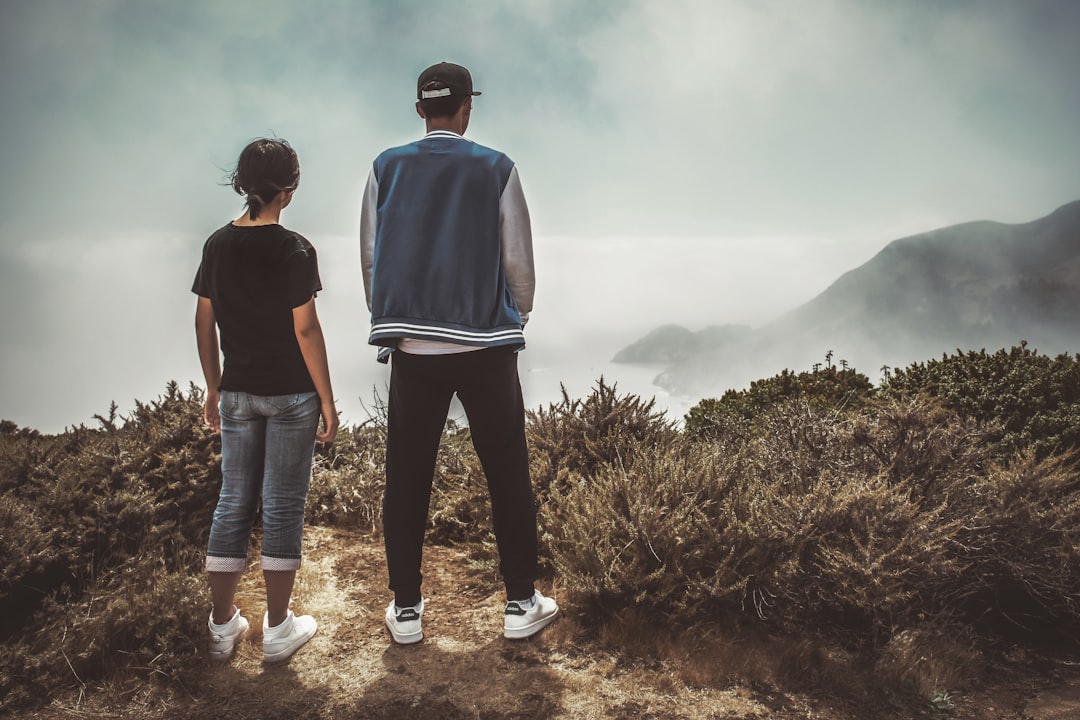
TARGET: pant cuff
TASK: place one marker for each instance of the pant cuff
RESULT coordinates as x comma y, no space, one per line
217,563
276,564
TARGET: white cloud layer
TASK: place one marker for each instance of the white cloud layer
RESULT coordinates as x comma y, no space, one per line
685,161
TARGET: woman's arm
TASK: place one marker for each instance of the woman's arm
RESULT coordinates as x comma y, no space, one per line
210,358
309,335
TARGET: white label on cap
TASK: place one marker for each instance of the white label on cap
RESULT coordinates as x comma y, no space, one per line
425,94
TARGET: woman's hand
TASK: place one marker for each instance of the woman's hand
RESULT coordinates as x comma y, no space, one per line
309,336
211,411
329,422
209,357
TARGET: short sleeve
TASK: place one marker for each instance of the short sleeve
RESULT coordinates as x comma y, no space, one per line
201,285
302,275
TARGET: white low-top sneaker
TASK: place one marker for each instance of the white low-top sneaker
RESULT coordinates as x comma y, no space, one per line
405,624
281,641
522,619
225,638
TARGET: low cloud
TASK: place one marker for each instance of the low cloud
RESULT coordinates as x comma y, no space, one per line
689,162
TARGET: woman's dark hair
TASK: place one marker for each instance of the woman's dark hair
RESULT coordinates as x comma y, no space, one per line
266,167
442,107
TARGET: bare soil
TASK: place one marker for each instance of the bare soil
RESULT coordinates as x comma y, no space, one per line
464,668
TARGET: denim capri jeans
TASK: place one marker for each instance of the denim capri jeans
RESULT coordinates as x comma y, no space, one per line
267,443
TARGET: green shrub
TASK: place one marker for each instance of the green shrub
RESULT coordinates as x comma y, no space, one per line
1034,399
736,410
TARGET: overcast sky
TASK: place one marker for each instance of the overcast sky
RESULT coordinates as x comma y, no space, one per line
688,161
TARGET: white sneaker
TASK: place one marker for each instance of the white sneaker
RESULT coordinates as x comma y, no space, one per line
281,641
224,638
405,624
521,621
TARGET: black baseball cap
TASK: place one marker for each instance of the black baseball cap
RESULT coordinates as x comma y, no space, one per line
442,80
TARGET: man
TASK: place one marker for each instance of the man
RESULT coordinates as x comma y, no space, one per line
446,248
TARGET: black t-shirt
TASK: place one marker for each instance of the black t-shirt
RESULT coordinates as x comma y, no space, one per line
254,277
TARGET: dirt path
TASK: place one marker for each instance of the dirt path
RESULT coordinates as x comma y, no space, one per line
465,669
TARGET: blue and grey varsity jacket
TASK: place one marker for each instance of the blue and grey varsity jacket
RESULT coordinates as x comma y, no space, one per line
446,245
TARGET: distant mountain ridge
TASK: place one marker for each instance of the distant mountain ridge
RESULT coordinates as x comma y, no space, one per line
673,343
970,286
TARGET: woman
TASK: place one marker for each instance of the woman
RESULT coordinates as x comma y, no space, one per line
256,286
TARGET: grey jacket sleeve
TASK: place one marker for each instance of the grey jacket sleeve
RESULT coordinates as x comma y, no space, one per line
367,231
517,249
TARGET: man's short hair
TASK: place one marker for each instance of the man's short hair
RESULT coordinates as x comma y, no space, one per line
443,107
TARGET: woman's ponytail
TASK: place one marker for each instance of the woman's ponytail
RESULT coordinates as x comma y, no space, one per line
266,167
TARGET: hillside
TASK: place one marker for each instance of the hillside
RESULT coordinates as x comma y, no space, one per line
970,286
782,566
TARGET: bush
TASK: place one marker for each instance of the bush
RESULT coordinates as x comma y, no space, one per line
1019,536
571,441
736,410
460,505
1034,399
575,437
102,536
657,531
348,477
854,525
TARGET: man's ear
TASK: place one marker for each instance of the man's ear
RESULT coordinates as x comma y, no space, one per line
420,110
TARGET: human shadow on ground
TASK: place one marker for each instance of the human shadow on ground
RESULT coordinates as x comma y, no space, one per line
277,692
502,679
